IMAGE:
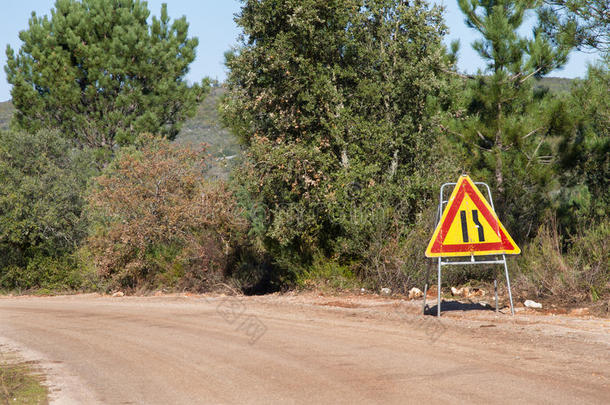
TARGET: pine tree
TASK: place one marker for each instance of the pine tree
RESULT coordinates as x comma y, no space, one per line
502,128
581,121
584,23
100,73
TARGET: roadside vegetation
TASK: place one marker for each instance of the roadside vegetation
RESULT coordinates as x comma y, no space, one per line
157,222
19,383
325,150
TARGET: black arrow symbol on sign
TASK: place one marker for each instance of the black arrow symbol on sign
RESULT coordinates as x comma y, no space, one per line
475,219
464,226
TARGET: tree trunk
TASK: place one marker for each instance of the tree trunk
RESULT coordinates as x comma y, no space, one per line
499,175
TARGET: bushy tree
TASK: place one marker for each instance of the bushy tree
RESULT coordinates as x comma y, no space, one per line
331,100
503,128
156,222
41,207
100,73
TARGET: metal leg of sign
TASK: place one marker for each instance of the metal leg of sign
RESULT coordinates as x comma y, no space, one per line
496,290
423,310
438,308
510,294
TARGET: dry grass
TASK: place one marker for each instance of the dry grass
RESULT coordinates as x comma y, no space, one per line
20,383
574,275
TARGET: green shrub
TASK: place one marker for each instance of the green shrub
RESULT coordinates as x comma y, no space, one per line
327,273
43,179
50,273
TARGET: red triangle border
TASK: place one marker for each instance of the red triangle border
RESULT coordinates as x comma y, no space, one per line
438,247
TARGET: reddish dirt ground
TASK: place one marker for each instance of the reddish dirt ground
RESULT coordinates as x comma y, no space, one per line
305,348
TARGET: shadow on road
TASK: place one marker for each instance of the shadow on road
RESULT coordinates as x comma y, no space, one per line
447,306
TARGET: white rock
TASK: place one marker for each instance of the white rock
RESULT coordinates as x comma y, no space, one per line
386,291
415,293
455,291
118,294
532,304
362,291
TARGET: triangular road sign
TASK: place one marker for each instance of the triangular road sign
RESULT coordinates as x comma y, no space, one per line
469,226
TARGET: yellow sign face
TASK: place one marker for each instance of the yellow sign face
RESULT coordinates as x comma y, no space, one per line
469,226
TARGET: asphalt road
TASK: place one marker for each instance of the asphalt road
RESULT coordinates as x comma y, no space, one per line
294,349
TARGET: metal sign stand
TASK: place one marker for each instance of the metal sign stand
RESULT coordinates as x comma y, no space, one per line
492,259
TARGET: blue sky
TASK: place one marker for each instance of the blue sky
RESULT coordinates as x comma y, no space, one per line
212,22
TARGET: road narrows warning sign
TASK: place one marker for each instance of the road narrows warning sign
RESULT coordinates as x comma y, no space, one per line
469,226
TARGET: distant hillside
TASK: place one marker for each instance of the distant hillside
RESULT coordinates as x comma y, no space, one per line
223,146
203,127
555,84
6,112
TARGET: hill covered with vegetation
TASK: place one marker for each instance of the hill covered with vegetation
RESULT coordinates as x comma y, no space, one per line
204,127
6,112
555,84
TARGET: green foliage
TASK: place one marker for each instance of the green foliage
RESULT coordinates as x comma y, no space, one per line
203,127
337,106
581,123
41,203
504,49
331,98
544,153
502,131
156,222
396,259
100,73
47,273
327,273
583,23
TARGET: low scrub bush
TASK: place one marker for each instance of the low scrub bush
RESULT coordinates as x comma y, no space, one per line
395,257
157,222
47,273
580,272
328,274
